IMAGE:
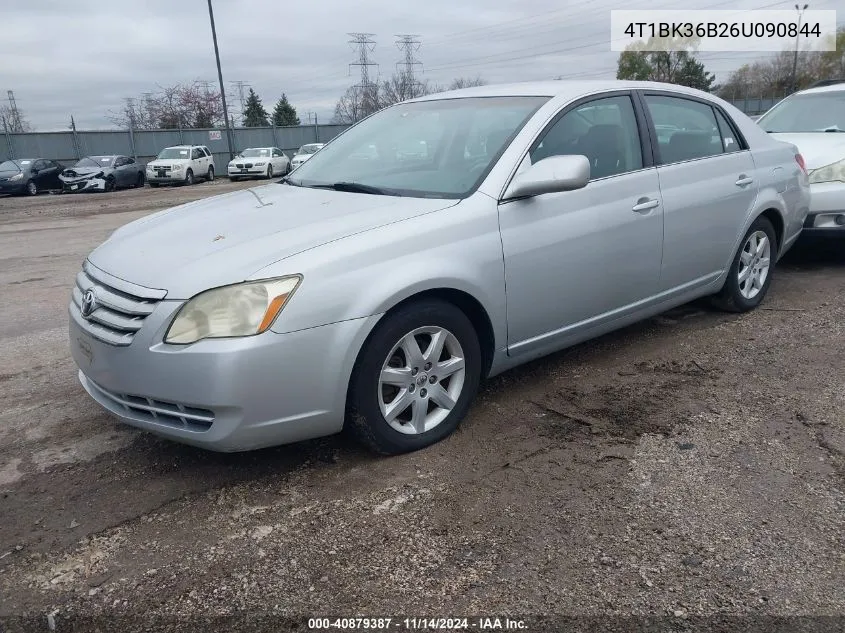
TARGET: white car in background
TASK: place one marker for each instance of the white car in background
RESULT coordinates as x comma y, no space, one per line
814,121
180,164
255,162
305,152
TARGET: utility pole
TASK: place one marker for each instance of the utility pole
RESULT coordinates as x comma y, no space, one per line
411,87
365,45
795,56
220,78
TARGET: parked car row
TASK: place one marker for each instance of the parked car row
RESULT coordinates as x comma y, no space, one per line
374,290
179,164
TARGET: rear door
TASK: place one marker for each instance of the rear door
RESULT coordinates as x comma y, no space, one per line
708,184
121,171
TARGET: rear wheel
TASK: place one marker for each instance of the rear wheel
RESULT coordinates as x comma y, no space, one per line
210,176
415,378
751,272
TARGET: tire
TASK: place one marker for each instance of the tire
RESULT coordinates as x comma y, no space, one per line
736,296
139,181
153,184
387,348
189,177
210,175
110,185
31,188
269,171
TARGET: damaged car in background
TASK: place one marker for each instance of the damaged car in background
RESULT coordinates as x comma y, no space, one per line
102,173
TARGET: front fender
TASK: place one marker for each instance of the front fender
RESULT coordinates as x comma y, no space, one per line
362,275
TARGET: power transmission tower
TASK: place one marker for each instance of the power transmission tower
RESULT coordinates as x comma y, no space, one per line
408,44
14,115
240,85
365,45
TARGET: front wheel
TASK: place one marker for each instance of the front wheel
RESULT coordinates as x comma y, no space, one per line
109,186
189,177
210,176
31,188
269,171
139,181
751,272
415,378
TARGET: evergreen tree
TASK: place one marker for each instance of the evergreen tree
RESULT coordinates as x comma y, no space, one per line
284,113
254,113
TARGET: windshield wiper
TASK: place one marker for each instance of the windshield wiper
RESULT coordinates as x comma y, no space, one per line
354,187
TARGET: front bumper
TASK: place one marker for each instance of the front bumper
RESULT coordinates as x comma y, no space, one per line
171,177
245,173
16,187
78,186
225,394
827,209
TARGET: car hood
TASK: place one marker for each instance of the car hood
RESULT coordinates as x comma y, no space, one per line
8,174
82,172
226,238
819,149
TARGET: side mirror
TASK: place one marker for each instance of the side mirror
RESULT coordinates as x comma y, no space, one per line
551,175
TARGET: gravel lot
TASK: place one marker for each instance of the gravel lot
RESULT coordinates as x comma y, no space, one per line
688,467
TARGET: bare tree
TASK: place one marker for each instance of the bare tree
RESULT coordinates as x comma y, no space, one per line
14,124
357,103
401,87
190,105
467,82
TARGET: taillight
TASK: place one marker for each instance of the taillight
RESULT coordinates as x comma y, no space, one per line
800,160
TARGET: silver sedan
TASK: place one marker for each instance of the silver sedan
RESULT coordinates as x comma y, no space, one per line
375,289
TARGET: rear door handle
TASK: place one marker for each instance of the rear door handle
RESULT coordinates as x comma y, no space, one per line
644,204
744,180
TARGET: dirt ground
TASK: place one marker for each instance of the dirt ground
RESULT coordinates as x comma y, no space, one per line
686,468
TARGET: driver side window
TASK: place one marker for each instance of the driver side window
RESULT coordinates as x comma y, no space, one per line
604,130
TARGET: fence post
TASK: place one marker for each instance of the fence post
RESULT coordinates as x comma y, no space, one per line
181,140
316,129
273,128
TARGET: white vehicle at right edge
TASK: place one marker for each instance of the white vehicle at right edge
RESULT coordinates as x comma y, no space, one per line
814,121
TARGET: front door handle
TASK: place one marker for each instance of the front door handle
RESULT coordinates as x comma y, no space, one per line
644,204
744,180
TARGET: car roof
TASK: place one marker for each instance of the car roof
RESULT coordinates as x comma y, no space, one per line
557,88
840,87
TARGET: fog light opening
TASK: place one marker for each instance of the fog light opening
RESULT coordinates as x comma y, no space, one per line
840,219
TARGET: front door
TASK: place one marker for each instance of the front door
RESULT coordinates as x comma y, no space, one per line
579,258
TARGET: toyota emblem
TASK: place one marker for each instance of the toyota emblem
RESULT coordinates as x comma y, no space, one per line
89,302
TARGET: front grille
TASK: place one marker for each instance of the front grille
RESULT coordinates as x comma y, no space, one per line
239,165
120,307
172,414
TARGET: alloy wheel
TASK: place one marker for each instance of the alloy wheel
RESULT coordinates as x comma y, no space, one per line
754,263
421,380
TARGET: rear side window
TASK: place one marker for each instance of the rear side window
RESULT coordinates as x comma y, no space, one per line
686,129
604,130
729,140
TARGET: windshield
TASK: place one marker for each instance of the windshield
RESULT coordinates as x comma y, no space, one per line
255,152
440,148
308,149
10,165
813,112
95,161
174,152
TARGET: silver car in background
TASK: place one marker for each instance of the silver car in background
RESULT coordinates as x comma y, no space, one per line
377,291
102,173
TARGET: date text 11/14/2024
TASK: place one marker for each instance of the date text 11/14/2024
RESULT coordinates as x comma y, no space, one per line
419,624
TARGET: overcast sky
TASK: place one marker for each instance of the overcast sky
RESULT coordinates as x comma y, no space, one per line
83,57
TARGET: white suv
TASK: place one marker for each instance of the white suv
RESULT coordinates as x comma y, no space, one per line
181,164
814,120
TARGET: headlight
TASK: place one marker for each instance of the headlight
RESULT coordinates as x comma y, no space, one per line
177,168
243,309
16,177
829,173
261,164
